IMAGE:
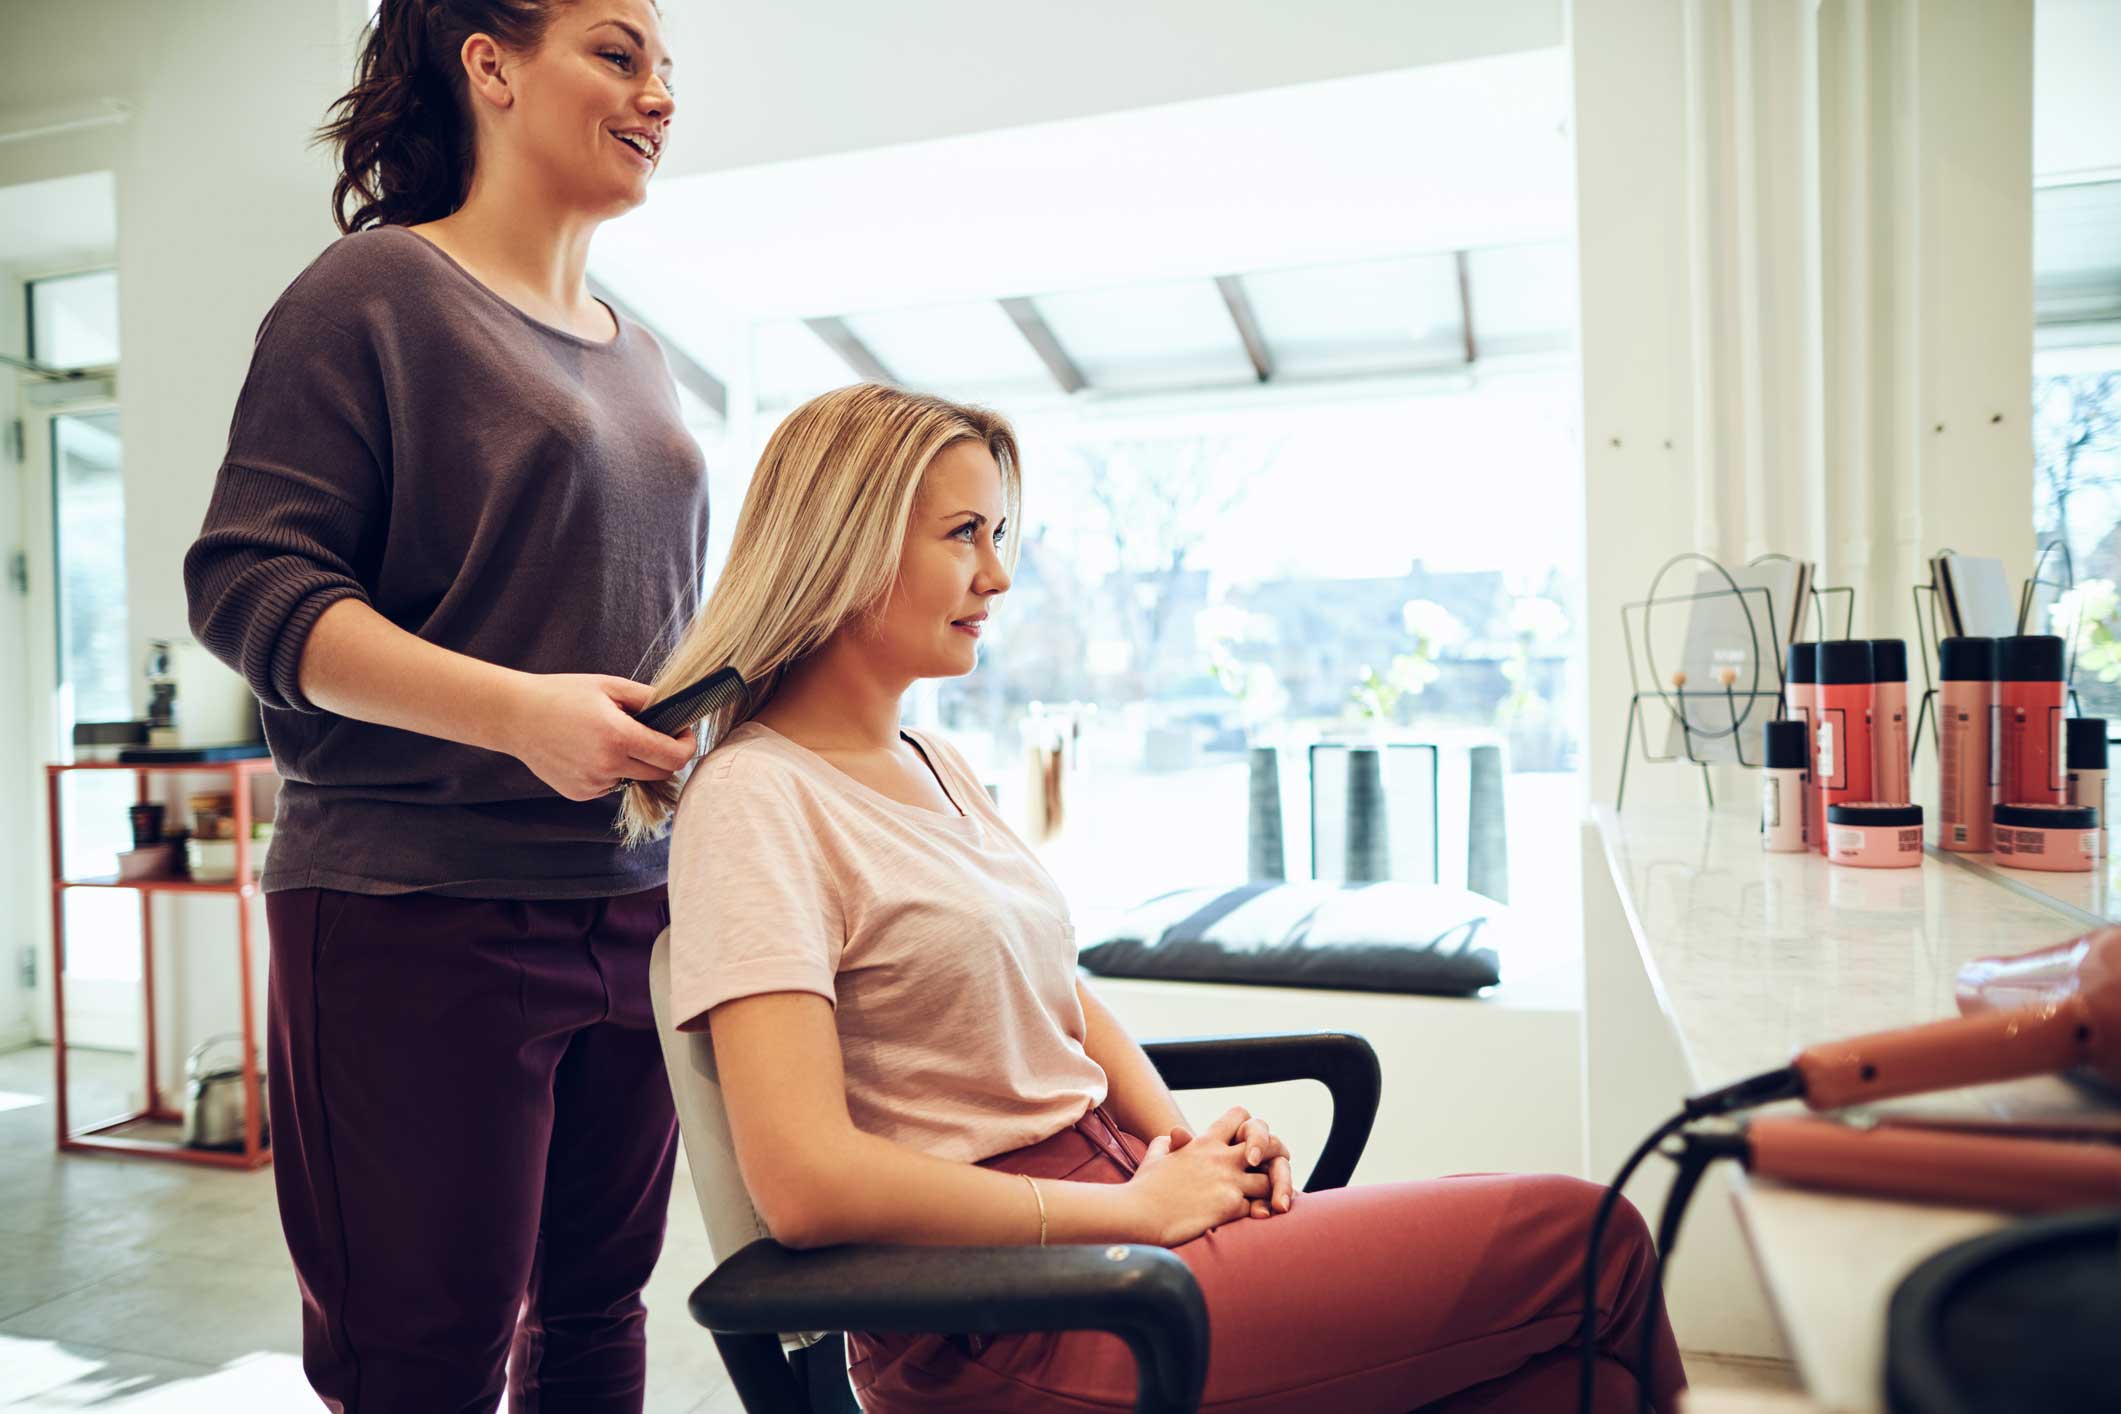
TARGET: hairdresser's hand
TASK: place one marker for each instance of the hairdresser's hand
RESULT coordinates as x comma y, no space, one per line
1183,1189
574,732
1264,1153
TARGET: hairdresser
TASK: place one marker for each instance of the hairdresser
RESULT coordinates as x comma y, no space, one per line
458,513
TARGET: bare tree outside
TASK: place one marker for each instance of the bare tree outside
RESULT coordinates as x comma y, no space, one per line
2076,436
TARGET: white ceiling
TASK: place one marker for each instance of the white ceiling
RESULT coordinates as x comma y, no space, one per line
1437,158
63,220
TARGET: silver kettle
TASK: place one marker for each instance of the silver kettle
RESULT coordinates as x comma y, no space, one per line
213,1096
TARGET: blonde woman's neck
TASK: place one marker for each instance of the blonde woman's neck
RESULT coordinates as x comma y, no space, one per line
838,699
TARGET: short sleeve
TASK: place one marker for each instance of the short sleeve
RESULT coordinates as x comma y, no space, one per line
754,899
298,504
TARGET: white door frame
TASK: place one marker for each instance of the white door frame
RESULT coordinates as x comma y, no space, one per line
101,1012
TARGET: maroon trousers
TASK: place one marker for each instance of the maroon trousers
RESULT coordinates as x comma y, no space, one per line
473,1142
1454,1294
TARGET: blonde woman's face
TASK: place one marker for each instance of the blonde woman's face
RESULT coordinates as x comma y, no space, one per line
950,567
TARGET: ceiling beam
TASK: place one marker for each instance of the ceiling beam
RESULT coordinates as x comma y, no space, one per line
849,346
1465,306
1039,334
690,373
1232,288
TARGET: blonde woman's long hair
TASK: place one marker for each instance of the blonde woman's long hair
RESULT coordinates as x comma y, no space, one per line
817,546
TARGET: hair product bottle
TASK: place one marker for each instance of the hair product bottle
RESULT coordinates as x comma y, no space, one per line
2086,738
1782,803
1841,762
2029,713
1889,720
1966,743
1800,697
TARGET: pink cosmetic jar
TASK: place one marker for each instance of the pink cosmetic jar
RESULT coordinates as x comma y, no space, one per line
1874,834
2062,839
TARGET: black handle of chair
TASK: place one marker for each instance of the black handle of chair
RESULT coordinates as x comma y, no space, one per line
1144,1295
1340,1060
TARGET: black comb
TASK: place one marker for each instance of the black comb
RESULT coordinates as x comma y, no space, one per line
685,708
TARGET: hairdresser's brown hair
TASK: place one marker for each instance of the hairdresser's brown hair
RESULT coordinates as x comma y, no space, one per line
403,132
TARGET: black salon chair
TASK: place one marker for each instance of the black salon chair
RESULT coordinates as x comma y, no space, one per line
777,1315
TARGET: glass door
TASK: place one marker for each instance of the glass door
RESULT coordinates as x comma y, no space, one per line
80,671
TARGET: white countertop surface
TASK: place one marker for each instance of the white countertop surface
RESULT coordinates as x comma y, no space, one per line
1754,956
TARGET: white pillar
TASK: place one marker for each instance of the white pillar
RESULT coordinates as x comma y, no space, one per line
1805,247
1804,234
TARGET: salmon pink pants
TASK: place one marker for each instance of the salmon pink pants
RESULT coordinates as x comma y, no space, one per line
1452,1294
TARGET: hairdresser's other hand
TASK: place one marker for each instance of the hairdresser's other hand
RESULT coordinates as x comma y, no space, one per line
574,732
1185,1189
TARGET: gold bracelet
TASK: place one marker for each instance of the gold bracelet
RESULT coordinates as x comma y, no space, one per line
1041,1206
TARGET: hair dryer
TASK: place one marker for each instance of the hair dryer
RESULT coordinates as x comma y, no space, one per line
2053,1010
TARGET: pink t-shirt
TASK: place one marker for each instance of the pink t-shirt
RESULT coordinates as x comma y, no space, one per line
945,948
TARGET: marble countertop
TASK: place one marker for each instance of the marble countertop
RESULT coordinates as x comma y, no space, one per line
1754,956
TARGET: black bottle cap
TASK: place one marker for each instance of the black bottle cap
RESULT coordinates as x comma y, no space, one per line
1967,660
1801,663
1888,660
1785,745
1845,660
2087,743
2048,817
1873,812
2032,657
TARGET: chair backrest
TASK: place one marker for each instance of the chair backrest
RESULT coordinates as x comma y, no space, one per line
703,1123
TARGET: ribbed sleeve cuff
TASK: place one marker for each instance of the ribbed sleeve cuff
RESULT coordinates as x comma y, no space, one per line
275,553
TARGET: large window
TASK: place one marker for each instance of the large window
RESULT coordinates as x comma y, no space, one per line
2076,406
1395,568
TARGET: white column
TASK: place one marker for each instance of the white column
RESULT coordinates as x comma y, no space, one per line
1804,235
1805,248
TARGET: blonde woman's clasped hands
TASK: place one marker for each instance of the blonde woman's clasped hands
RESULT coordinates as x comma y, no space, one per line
1191,1183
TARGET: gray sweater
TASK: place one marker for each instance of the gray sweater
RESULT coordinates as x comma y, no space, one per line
495,486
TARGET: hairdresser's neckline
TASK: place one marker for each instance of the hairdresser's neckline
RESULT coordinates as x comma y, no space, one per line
960,819
551,330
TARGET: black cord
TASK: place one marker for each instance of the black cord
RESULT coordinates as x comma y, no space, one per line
1587,1336
1701,1150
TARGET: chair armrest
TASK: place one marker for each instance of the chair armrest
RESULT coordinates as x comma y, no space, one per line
1343,1062
1144,1295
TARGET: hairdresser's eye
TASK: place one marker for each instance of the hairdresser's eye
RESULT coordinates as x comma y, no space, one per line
620,57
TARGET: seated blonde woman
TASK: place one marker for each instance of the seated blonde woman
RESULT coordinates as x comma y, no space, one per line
908,1054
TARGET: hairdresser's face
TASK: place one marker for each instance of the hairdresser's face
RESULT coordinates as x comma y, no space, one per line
591,106
950,567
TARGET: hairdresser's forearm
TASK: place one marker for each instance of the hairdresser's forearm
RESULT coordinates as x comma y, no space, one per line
1138,1097
358,664
905,1196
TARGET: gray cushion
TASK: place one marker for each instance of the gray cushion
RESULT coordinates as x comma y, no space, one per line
1387,937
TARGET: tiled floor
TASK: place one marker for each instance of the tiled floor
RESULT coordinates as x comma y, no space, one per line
139,1287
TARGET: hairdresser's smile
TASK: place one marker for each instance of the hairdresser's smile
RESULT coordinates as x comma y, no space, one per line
644,146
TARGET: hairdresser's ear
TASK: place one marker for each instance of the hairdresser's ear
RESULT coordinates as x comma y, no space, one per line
485,70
